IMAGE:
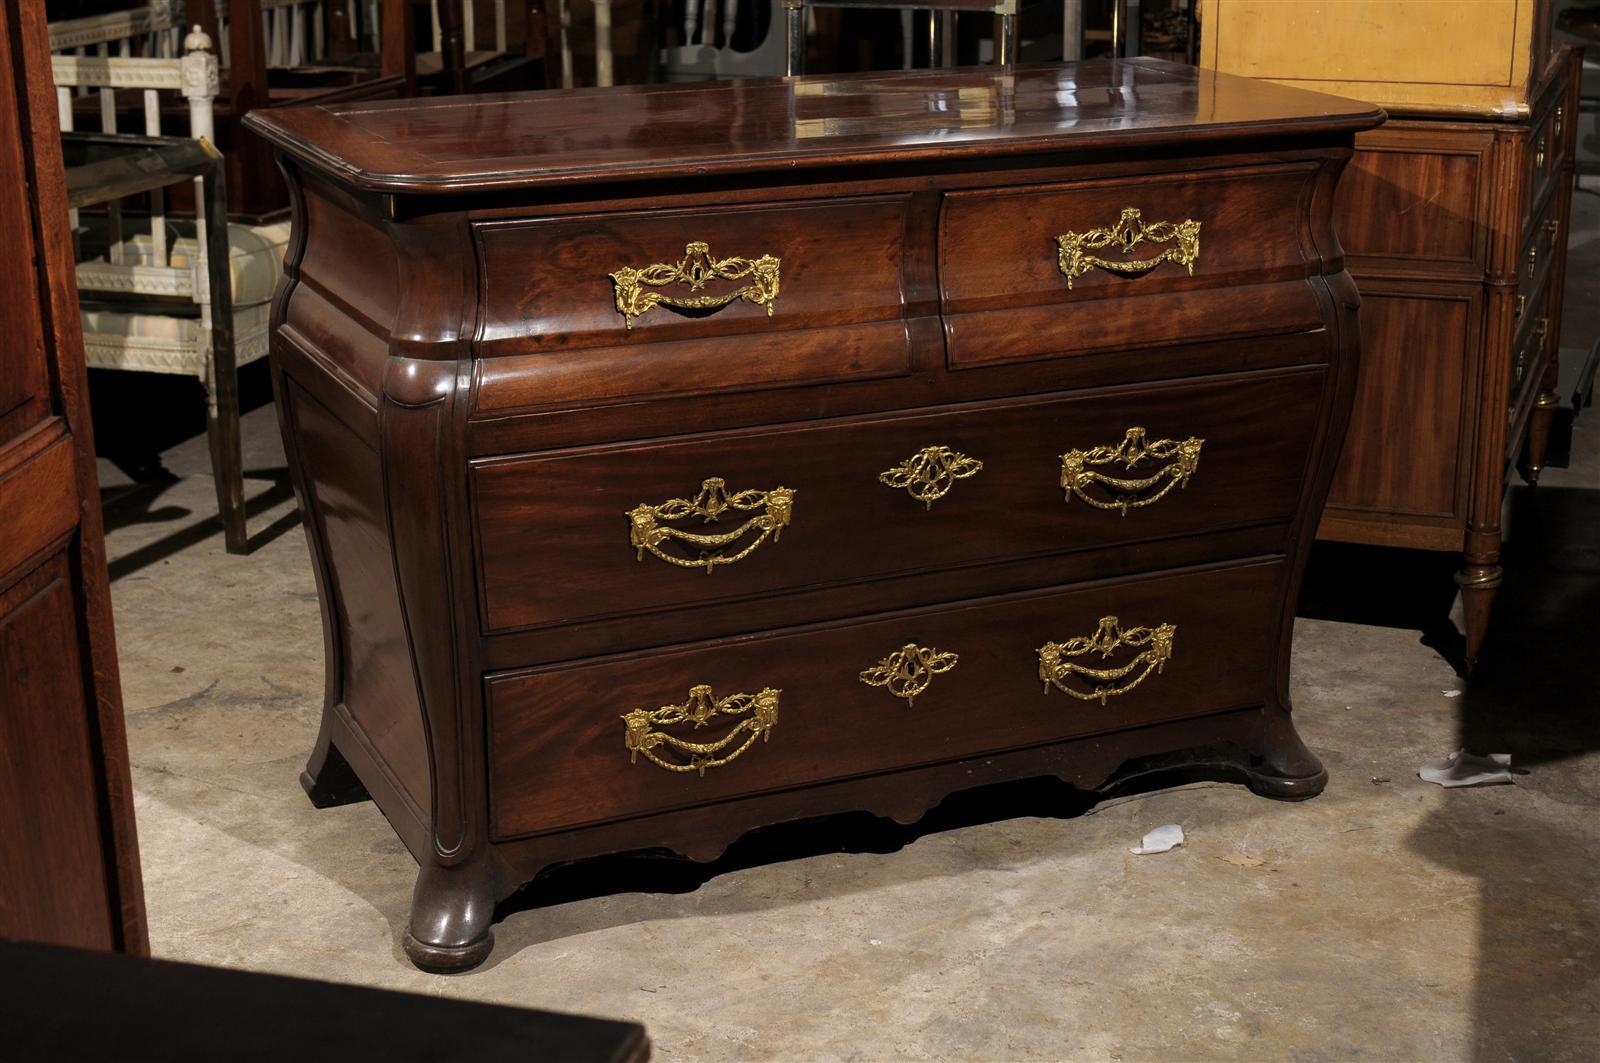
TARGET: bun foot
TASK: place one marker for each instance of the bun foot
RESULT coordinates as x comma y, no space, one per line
452,910
1282,767
1268,783
446,959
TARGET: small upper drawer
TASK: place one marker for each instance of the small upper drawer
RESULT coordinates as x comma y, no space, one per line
671,524
607,307
1546,145
1055,270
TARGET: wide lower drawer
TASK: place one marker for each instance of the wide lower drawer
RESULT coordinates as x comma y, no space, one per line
615,530
1058,270
642,733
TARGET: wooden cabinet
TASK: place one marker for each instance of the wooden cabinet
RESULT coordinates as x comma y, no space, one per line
1456,234
682,459
69,866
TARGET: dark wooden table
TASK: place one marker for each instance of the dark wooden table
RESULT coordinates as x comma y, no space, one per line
73,1004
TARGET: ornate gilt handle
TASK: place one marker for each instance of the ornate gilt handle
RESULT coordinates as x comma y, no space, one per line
638,290
758,712
906,672
1078,474
647,533
1074,250
928,475
1155,649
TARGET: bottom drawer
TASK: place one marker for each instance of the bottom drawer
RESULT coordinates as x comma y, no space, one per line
634,734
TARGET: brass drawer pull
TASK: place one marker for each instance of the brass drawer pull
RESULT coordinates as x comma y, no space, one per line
907,672
1073,249
1538,155
1055,669
647,533
637,289
1556,125
640,735
1077,476
928,475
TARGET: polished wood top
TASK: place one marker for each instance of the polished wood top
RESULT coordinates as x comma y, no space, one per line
523,140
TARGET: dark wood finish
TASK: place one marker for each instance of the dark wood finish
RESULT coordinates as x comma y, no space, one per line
849,528
1456,233
469,420
182,1012
69,866
554,767
1000,285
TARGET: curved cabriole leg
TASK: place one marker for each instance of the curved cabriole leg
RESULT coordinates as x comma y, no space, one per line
1280,766
452,911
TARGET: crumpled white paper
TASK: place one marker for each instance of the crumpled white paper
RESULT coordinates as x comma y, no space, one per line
1161,840
1467,769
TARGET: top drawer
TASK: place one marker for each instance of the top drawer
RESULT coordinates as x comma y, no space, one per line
1056,270
600,308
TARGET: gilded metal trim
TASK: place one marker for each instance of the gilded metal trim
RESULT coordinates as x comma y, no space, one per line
647,533
928,475
1077,476
636,289
1073,249
640,735
1054,669
906,672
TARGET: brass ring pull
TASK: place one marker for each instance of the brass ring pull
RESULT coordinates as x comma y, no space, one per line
637,290
907,672
928,475
646,532
1075,260
1077,476
759,712
1155,649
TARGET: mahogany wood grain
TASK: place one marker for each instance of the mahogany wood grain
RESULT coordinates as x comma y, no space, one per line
69,865
558,758
468,418
848,526
998,254
1415,379
754,125
1412,199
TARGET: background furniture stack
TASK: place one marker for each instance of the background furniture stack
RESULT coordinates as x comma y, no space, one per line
1454,217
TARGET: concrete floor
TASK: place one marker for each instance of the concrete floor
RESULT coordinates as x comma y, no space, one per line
1387,919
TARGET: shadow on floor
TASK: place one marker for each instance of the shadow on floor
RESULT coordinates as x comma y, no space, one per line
1537,697
139,504
1380,586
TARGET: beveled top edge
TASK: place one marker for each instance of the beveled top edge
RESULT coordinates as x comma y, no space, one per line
559,137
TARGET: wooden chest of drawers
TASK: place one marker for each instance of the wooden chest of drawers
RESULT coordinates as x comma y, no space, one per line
1457,237
684,459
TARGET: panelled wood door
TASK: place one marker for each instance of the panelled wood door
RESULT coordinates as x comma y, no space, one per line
69,868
